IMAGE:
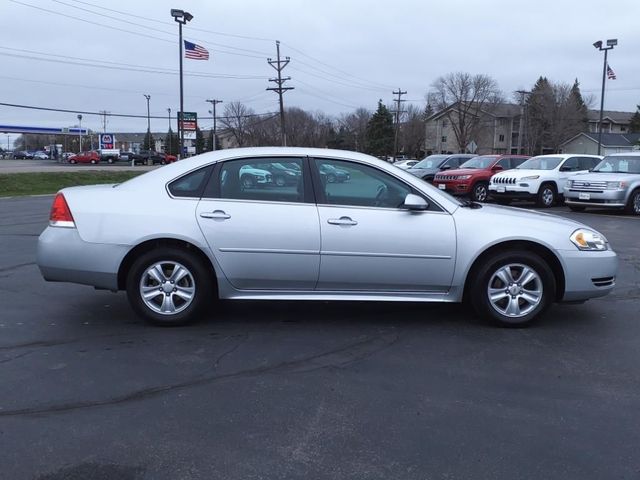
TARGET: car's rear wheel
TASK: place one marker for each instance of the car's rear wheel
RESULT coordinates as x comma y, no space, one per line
169,286
109,160
512,288
93,162
576,208
547,196
480,192
633,205
72,161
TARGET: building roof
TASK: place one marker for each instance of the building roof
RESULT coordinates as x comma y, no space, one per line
613,115
610,139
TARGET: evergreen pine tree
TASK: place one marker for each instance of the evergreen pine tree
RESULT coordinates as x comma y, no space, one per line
199,141
171,143
379,134
634,124
581,107
149,142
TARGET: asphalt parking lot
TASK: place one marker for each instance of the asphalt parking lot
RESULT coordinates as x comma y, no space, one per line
312,390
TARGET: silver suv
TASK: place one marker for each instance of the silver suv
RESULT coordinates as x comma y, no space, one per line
613,183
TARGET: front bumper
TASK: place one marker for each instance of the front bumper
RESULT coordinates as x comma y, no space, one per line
63,256
603,198
454,188
588,274
512,191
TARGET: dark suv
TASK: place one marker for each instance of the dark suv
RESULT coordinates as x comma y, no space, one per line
429,166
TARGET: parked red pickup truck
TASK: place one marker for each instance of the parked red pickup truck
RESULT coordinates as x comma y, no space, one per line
472,178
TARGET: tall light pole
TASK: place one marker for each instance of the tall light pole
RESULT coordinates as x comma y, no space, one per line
80,132
213,103
182,18
148,97
169,133
610,44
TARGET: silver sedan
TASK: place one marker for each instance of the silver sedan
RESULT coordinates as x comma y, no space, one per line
181,236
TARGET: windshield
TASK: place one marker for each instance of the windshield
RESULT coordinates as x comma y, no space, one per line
479,162
432,161
540,163
622,164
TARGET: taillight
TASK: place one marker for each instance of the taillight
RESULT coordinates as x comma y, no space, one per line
60,213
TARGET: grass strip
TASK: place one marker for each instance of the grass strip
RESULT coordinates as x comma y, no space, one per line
18,184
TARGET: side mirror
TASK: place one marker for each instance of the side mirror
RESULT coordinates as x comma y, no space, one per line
446,167
415,202
497,168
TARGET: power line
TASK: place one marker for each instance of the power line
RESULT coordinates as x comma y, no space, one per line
124,115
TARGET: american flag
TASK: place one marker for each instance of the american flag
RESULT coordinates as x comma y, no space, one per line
195,52
610,73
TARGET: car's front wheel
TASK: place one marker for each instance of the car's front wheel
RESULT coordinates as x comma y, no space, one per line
546,196
512,288
480,192
633,205
169,286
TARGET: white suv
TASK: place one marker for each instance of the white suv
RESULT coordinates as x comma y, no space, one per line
540,178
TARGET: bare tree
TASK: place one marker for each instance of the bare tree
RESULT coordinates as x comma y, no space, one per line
467,97
236,119
355,126
412,131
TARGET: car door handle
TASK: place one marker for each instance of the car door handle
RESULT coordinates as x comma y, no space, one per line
216,215
342,221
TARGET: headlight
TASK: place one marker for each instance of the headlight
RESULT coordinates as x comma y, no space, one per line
532,177
463,177
586,239
616,185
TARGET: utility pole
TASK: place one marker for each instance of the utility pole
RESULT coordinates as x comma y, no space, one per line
398,111
80,133
279,65
523,94
213,103
104,120
169,134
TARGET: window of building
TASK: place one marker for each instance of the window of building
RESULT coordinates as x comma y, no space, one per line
501,138
444,139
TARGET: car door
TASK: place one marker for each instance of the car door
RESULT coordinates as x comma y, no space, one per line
569,167
264,236
370,243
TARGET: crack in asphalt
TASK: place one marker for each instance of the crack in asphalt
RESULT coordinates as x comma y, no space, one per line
339,357
15,267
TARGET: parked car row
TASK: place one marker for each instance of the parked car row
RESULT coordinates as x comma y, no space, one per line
581,180
28,155
144,157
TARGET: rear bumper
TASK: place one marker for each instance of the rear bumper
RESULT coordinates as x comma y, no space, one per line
588,274
63,256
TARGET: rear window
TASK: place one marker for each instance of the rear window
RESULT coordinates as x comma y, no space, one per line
192,184
619,164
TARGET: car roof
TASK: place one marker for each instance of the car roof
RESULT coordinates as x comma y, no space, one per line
624,154
568,155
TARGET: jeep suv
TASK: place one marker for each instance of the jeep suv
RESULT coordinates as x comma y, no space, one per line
540,178
472,178
613,183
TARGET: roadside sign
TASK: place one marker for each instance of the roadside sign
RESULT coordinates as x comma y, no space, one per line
188,121
106,141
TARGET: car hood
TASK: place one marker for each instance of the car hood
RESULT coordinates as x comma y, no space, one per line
464,171
605,177
423,171
516,173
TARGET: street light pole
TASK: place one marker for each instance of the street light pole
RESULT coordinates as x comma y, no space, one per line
148,97
80,132
169,132
182,18
213,103
610,44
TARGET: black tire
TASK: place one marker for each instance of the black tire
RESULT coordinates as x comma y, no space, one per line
248,181
480,192
547,196
110,160
200,279
331,178
484,276
93,162
576,208
633,205
72,161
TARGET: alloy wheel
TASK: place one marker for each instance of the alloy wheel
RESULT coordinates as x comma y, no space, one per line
480,192
515,290
167,287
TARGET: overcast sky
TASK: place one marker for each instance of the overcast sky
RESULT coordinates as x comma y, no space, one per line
344,54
